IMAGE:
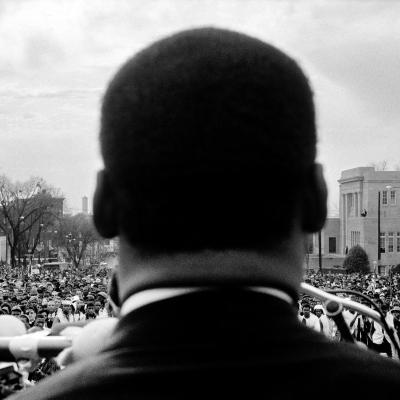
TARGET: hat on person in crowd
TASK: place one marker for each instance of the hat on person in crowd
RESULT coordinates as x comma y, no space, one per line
66,303
395,308
102,294
318,307
17,308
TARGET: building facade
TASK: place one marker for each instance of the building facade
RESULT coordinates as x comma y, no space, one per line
369,208
370,214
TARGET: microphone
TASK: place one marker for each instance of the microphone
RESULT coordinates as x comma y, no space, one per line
334,310
11,326
31,347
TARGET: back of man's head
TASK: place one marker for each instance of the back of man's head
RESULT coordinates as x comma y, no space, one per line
208,139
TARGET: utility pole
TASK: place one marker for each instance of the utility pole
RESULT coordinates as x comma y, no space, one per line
319,252
379,228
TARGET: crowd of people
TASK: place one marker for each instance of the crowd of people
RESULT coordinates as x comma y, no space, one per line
42,300
384,291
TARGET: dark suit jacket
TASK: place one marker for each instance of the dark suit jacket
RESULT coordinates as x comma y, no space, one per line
220,344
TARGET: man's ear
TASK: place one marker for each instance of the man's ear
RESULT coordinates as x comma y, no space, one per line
315,195
105,208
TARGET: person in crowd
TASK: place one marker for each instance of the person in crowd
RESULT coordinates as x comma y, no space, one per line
64,314
16,311
308,318
6,308
90,310
25,319
379,339
40,322
351,318
31,312
51,313
326,324
78,309
196,132
90,314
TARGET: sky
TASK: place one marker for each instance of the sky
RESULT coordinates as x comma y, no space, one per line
57,56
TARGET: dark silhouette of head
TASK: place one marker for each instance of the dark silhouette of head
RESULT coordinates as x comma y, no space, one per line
209,142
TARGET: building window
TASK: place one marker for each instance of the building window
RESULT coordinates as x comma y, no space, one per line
356,205
390,242
383,242
350,204
398,242
384,198
332,245
392,197
355,237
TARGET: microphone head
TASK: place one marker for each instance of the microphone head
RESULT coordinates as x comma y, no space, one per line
333,308
11,326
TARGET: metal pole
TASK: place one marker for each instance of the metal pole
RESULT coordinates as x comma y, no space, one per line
379,228
319,252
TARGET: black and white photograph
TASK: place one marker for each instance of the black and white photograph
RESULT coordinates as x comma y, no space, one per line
199,199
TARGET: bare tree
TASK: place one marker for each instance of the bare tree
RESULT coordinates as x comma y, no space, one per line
75,234
380,166
26,209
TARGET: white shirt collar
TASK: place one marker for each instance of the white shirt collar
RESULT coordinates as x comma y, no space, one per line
145,297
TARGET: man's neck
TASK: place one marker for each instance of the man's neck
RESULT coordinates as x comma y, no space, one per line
209,268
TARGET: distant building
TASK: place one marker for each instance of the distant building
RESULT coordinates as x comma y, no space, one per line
85,208
360,189
332,258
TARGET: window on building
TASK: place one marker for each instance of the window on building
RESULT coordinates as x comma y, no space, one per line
393,197
383,242
384,197
332,245
356,214
390,242
350,204
355,238
398,242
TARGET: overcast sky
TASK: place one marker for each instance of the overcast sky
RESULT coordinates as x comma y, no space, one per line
56,57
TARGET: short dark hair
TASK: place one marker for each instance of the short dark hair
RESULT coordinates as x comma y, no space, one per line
207,137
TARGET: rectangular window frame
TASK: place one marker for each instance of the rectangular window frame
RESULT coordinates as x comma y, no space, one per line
382,243
384,198
332,244
393,197
390,242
